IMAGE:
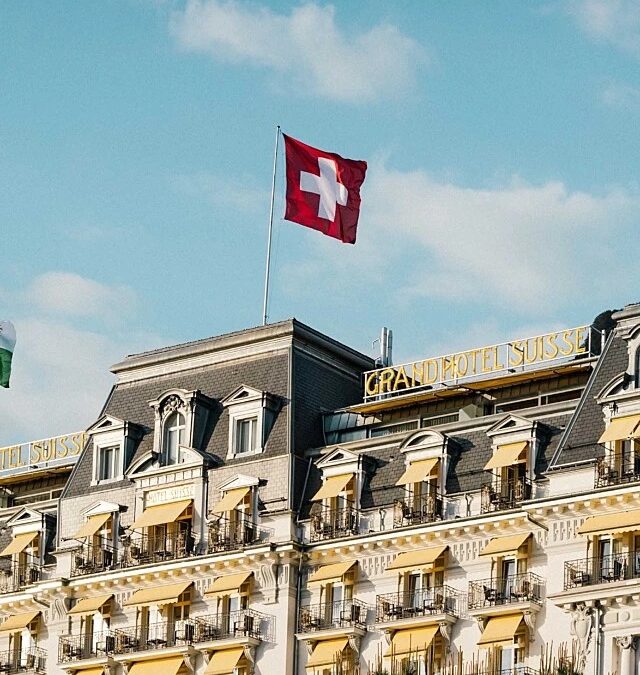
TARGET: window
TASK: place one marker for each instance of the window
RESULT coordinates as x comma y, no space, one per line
174,432
109,462
246,436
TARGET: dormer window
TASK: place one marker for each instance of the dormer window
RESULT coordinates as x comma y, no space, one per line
109,464
174,435
251,416
114,442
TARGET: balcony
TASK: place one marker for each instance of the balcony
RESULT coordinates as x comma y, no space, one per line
16,576
142,549
603,570
392,607
616,469
152,636
93,559
33,660
500,495
228,535
242,623
518,588
328,523
331,615
515,670
80,647
417,509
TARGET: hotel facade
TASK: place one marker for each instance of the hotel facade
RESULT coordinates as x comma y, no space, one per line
274,502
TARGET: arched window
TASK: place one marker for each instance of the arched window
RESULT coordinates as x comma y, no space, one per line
174,432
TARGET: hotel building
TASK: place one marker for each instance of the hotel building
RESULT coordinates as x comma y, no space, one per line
274,502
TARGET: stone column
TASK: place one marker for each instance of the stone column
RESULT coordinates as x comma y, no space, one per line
627,646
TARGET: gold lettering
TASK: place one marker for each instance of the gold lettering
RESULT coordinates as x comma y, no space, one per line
566,338
77,441
486,358
516,356
474,358
551,341
460,368
35,453
530,351
386,377
432,366
371,384
417,373
401,377
496,360
581,340
448,367
61,449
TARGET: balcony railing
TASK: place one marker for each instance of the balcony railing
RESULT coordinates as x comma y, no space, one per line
33,660
153,636
602,570
14,576
500,495
79,647
515,670
343,614
230,535
142,549
239,623
527,587
416,509
617,468
437,600
91,559
328,523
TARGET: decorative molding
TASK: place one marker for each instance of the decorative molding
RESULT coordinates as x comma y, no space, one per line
269,582
354,643
580,627
445,631
530,622
626,641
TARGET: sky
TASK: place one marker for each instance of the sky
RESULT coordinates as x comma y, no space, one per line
136,148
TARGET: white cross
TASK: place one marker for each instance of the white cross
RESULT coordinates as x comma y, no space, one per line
326,185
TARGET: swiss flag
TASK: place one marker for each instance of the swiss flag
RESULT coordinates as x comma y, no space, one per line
323,190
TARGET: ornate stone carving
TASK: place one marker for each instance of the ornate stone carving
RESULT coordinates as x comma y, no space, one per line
445,631
269,582
580,627
626,641
354,643
530,622
250,655
171,404
190,662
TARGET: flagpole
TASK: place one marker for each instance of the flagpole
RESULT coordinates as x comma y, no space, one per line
273,194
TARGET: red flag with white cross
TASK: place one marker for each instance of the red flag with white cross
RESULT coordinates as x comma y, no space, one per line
323,190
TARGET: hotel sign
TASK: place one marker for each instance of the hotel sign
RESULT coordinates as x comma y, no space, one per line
57,451
476,364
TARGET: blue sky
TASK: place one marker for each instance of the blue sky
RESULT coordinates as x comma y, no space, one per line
136,140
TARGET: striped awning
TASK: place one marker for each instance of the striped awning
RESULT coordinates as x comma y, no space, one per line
161,514
410,640
612,523
224,661
326,652
419,471
18,622
621,428
231,499
421,559
507,455
332,487
92,525
158,595
90,605
331,573
500,630
227,583
19,543
505,545
165,666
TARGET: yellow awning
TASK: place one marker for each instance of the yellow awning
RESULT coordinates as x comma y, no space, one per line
507,455
161,514
621,428
504,545
224,661
416,472
17,622
500,630
423,558
90,605
332,487
166,666
331,573
230,500
228,582
99,670
92,525
19,543
612,523
327,651
158,595
411,640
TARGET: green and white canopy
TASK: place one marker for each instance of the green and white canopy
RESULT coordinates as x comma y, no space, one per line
7,345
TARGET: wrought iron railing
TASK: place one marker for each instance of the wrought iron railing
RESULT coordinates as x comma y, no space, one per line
343,614
328,523
515,670
415,509
143,548
33,660
79,647
500,495
230,535
617,468
602,570
239,623
153,636
89,559
437,600
17,575
527,587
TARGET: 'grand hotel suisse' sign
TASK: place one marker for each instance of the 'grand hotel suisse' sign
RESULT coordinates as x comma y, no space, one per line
51,452
476,364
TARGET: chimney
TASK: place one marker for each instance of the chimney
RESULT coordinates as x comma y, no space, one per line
386,347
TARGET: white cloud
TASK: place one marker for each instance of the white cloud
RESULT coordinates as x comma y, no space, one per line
306,47
616,22
623,96
60,376
520,247
65,293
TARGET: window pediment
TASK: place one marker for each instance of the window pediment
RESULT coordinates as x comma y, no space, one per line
100,508
24,518
239,481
